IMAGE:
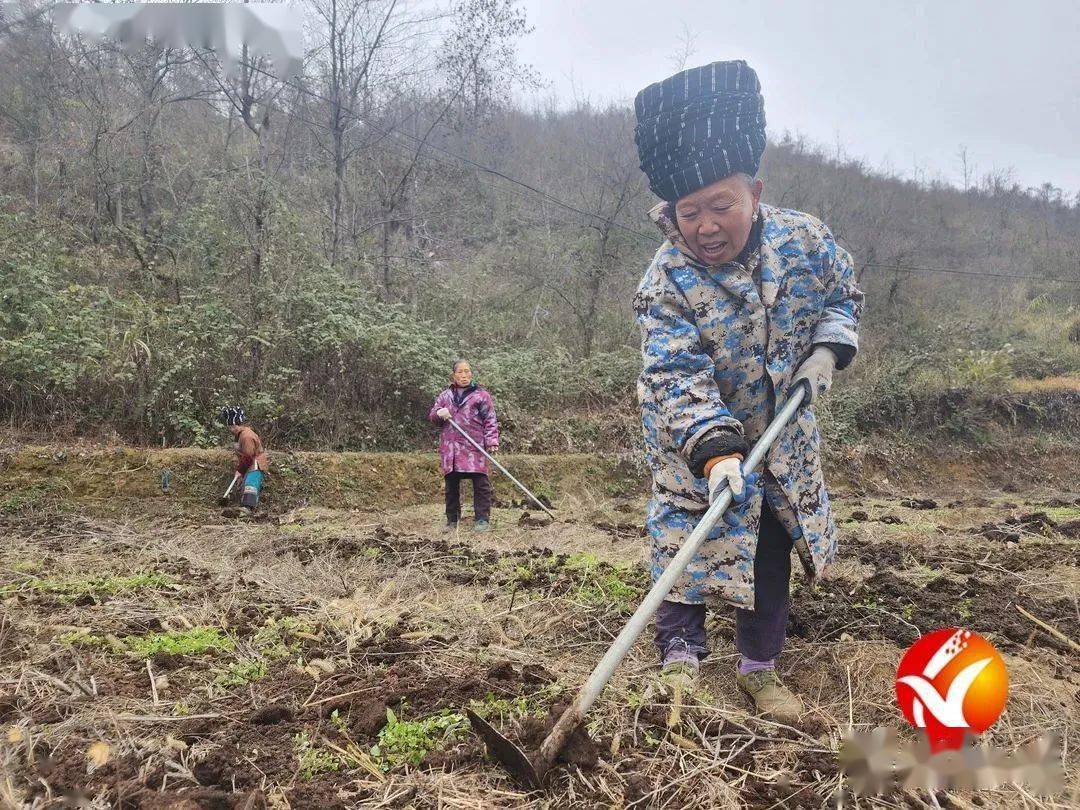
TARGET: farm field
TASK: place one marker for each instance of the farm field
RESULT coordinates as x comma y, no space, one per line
154,653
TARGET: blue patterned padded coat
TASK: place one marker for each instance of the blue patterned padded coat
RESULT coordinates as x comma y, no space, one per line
718,351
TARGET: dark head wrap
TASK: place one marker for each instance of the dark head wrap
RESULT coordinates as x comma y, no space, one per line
232,415
700,126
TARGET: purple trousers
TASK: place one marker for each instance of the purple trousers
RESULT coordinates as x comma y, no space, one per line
481,490
759,633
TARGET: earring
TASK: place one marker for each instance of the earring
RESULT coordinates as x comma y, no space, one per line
754,217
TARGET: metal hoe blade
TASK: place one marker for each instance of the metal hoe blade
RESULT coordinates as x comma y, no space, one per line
505,471
509,755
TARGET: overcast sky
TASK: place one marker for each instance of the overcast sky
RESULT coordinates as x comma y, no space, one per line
900,84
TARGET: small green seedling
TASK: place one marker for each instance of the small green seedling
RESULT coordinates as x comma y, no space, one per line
407,742
243,672
311,759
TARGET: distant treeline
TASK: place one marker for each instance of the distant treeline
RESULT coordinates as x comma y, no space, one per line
175,236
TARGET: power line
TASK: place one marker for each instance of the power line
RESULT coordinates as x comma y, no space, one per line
650,239
911,269
460,158
568,207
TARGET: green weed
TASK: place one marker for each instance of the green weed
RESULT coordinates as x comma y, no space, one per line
407,742
242,672
964,608
869,603
603,584
338,722
277,638
313,760
28,499
82,638
506,709
587,578
99,585
196,641
922,574
1063,514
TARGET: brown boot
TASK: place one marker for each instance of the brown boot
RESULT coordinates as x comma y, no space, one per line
771,698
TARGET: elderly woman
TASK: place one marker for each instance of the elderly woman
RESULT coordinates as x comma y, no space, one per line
741,303
472,408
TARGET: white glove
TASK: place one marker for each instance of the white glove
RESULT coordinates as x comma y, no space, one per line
728,471
817,370
444,414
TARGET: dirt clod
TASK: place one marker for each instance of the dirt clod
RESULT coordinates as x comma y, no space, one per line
271,715
503,671
529,521
580,749
209,772
367,718
1070,529
536,673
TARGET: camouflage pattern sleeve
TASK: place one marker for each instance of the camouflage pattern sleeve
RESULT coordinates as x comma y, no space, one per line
680,401
839,321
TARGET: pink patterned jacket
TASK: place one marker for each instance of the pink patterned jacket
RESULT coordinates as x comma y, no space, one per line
474,410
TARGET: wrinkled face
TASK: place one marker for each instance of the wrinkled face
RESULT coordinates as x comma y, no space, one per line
462,375
715,221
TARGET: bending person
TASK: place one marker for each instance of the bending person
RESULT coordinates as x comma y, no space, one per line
742,302
252,460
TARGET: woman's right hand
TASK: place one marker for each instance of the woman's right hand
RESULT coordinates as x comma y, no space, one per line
725,470
444,414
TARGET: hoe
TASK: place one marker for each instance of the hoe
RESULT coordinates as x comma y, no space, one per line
531,770
505,471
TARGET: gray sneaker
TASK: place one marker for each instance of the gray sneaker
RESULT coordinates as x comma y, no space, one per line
450,527
480,526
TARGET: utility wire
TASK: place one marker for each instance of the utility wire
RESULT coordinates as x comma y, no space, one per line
906,268
650,239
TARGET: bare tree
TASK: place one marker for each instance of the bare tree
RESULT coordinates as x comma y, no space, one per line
687,47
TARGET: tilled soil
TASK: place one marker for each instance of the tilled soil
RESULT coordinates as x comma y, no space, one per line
357,629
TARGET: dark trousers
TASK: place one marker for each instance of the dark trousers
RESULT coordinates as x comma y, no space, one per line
481,491
759,633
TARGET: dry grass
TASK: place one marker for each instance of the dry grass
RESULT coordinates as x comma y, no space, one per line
394,609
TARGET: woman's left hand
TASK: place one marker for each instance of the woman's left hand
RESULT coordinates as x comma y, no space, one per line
817,370
751,487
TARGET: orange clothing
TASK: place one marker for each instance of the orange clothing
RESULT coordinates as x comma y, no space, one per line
250,453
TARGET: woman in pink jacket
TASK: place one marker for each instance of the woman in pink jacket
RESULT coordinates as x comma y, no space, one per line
471,408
